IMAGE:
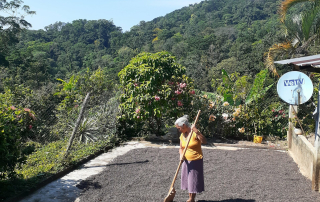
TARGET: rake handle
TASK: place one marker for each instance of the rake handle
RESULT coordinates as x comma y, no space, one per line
184,152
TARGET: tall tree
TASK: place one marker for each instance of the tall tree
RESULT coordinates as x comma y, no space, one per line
11,24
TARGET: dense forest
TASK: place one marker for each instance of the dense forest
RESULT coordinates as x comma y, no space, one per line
204,37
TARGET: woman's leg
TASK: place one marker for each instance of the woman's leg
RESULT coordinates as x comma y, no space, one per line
192,197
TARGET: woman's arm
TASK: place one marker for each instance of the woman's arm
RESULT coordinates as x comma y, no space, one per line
200,137
182,158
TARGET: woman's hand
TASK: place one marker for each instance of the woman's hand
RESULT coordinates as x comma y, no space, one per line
194,129
182,158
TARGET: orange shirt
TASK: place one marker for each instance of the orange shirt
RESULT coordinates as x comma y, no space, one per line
194,151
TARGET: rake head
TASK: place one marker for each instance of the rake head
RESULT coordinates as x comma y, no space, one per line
171,195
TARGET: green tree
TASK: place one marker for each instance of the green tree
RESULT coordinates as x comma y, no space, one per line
155,88
11,24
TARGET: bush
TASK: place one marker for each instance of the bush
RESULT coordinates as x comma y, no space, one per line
155,92
15,124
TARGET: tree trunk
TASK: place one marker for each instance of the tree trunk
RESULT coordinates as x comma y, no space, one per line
77,124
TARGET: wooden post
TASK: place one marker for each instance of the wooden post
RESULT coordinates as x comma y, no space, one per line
292,109
77,124
316,160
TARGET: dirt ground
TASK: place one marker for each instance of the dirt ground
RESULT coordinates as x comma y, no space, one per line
246,175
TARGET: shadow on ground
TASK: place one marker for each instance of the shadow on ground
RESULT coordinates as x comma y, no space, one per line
117,164
229,200
86,184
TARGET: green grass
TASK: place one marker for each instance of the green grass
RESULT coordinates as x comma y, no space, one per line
46,161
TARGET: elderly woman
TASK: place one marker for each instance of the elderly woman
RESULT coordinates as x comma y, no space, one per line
192,178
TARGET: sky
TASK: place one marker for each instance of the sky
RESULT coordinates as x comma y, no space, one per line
123,13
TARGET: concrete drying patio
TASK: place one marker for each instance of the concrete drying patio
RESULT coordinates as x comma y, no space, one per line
140,171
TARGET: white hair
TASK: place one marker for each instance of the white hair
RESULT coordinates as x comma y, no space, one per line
182,120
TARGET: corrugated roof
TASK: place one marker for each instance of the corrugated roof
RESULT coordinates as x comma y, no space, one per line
313,61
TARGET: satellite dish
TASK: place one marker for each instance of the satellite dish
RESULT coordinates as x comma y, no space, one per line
295,88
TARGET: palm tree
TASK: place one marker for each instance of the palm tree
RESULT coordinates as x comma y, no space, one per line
300,31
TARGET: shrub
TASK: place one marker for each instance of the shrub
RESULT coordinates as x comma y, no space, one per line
15,124
155,91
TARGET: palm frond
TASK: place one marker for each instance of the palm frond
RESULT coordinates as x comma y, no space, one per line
309,22
274,51
286,5
293,28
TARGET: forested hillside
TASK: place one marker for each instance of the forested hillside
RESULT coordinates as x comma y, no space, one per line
204,37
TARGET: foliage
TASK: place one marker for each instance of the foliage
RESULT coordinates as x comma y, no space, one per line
154,89
78,86
87,130
46,161
201,36
15,124
49,158
264,119
11,25
233,88
257,89
99,122
107,116
210,119
252,113
73,93
300,28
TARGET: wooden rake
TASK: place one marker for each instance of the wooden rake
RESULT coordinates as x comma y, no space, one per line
172,191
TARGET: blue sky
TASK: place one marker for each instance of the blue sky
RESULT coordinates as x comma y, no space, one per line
124,13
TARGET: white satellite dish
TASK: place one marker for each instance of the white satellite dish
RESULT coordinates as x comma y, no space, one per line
295,88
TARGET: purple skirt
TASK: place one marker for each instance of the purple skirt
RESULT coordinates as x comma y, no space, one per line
192,176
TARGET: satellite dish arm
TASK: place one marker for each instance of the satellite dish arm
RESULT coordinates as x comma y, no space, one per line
317,119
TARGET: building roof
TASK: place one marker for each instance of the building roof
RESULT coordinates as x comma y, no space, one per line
308,63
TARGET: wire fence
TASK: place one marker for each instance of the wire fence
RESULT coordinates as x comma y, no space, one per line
268,116
97,127
46,145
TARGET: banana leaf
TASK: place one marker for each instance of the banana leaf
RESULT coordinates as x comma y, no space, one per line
258,95
257,85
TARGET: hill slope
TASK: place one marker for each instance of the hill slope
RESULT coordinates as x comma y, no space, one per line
204,37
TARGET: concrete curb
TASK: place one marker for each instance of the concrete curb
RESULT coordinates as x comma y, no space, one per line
210,144
248,146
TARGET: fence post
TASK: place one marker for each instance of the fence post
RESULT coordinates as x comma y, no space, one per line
316,160
77,124
292,109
